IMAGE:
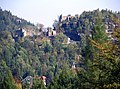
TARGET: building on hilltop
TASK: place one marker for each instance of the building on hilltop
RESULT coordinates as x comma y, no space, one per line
19,34
67,18
51,32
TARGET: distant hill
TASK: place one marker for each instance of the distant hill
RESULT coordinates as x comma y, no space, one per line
10,22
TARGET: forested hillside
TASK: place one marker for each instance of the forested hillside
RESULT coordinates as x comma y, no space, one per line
10,22
89,59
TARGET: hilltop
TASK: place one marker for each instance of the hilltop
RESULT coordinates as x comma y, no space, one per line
11,22
74,26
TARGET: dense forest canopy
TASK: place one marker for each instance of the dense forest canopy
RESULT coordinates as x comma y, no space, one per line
82,52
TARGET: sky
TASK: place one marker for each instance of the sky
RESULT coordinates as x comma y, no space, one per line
46,11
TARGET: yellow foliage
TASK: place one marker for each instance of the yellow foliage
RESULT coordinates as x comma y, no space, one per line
112,86
19,85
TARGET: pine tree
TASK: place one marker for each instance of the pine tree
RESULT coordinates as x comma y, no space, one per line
38,84
103,70
95,74
66,80
113,55
6,78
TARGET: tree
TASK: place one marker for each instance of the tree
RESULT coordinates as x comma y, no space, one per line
103,70
38,84
66,80
6,78
113,55
95,72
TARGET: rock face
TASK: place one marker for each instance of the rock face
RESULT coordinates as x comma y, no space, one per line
74,26
73,36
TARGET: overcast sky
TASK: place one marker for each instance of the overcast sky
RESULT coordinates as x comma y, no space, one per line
46,11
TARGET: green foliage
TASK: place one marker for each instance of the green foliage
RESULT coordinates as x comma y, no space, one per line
101,70
66,80
96,57
98,33
38,84
6,78
10,22
94,76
